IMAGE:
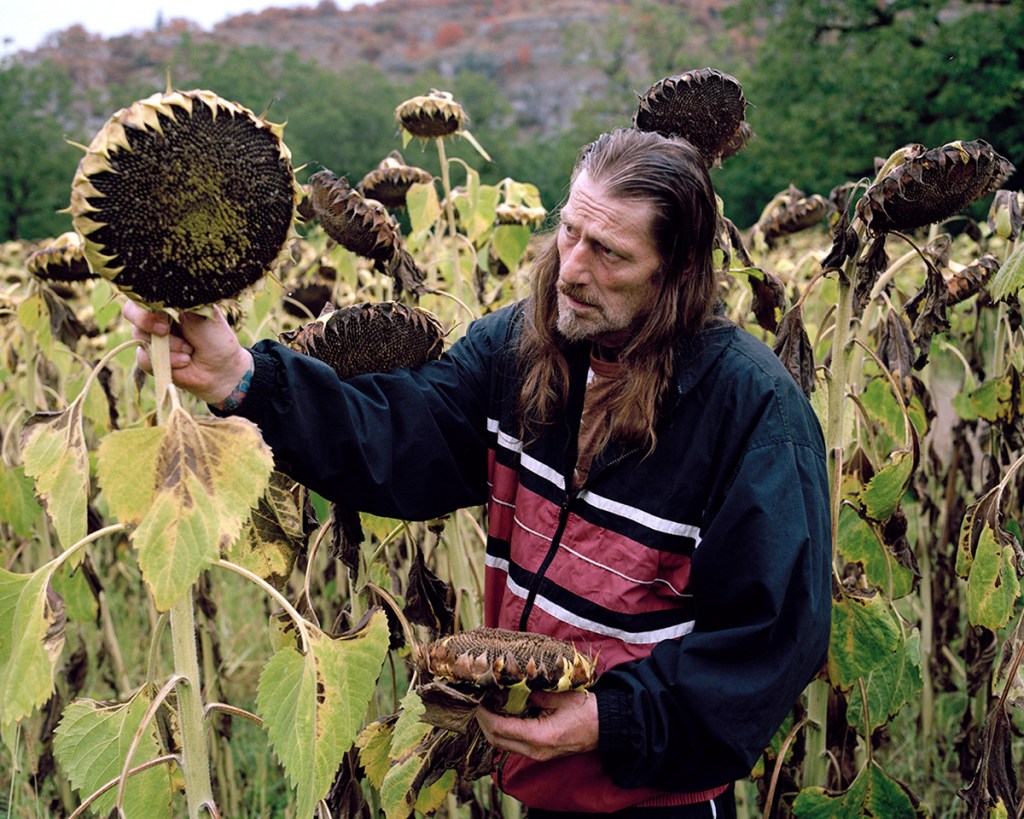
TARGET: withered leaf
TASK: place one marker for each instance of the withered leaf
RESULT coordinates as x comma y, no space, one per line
346,536
346,799
769,299
894,535
930,317
736,240
995,779
65,326
869,268
896,351
446,707
845,243
429,601
277,531
793,347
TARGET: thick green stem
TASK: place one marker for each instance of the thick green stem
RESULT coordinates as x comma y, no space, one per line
815,767
195,755
927,682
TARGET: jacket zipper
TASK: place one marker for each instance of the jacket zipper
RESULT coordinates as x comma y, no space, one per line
563,518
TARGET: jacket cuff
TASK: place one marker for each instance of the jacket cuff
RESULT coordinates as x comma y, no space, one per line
261,388
615,724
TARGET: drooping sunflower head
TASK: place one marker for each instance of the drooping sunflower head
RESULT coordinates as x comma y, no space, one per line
183,199
369,338
791,212
436,114
927,186
361,225
62,260
705,106
390,181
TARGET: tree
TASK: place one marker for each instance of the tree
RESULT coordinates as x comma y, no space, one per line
835,84
36,164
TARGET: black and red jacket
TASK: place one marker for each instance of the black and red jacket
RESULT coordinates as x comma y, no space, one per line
700,572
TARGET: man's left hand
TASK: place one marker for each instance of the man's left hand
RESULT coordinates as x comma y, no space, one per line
567,724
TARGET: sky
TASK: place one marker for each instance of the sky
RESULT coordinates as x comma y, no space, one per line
25,23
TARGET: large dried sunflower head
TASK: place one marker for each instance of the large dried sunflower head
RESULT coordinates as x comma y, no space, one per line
499,658
371,337
390,181
62,260
436,114
705,107
184,199
927,186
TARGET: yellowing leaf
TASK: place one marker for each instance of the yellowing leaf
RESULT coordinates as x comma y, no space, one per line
126,471
275,533
31,640
865,633
194,484
312,705
885,490
509,243
423,206
398,793
374,743
91,745
432,796
889,687
999,399
858,542
409,730
56,457
992,586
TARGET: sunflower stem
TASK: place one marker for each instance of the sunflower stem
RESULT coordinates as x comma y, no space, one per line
449,210
195,755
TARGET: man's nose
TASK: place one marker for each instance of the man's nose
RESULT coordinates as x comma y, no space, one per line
573,267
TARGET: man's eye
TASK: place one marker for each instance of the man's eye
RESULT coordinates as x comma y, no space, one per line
606,251
569,229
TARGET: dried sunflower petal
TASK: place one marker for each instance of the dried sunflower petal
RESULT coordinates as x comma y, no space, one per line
184,199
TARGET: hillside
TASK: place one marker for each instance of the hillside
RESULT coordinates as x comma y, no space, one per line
545,55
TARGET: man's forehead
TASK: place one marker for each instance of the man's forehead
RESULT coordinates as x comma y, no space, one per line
593,200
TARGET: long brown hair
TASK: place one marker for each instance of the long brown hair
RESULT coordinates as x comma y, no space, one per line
671,175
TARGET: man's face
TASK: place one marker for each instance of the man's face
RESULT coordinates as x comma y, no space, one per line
609,271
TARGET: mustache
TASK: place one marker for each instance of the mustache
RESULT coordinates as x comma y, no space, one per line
575,292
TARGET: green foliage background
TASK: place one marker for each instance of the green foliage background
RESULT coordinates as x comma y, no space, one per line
830,85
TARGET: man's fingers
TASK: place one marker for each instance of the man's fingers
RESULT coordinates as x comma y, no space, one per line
145,320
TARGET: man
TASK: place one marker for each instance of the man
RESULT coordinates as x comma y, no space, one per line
655,482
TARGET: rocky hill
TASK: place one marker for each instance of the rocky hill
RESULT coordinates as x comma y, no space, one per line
545,55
